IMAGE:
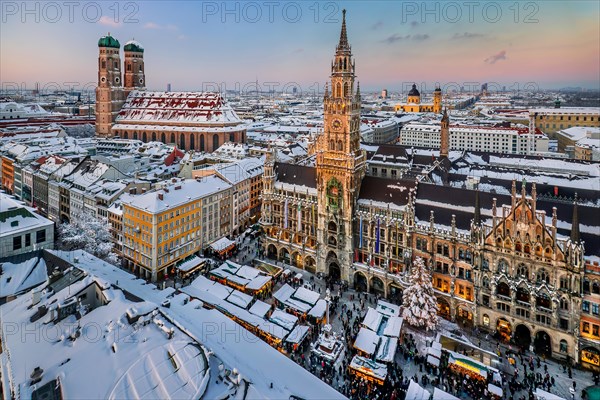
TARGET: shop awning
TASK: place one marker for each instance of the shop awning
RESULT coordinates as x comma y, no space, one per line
469,364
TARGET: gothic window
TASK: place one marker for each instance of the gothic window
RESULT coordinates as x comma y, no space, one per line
586,286
201,142
563,346
485,265
154,136
215,141
346,87
116,65
338,89
523,271
192,144
331,145
163,139
135,136
564,304
128,67
543,277
182,141
172,138
144,137
232,137
486,282
595,288
340,146
502,266
503,289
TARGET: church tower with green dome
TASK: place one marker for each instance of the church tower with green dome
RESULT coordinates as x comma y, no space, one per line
109,92
134,67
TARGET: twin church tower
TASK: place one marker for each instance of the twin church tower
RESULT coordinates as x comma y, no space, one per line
112,91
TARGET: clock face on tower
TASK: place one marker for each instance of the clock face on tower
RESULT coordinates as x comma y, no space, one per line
336,124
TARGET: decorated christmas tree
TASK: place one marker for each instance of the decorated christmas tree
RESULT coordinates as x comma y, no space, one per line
418,301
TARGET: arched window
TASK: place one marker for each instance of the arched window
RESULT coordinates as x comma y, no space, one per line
215,142
346,88
182,141
163,138
154,136
232,137
172,138
485,264
486,282
134,135
586,286
144,137
503,289
331,145
595,288
192,141
543,276
564,304
201,142
125,135
564,347
332,227
523,271
338,89
340,145
502,266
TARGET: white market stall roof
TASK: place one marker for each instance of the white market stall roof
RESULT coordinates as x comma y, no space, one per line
432,351
319,309
433,361
388,309
300,299
284,293
298,334
495,390
393,327
222,244
372,319
239,299
543,395
439,394
416,392
306,295
260,308
191,263
366,341
387,349
370,367
283,319
258,282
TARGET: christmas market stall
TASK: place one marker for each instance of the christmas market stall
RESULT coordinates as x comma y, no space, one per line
223,247
367,369
464,365
297,337
190,266
416,392
494,391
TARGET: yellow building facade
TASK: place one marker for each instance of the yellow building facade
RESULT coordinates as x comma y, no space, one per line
413,102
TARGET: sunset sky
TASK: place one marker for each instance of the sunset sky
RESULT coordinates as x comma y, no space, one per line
394,43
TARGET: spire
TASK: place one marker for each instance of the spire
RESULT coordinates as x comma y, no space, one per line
445,117
575,222
358,90
477,213
343,35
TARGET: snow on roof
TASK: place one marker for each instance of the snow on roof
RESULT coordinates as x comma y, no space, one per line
297,334
319,309
283,319
260,308
254,359
543,395
306,295
416,392
15,217
239,299
393,327
241,170
366,341
284,293
17,278
175,194
221,244
157,360
439,394
372,368
387,349
372,319
183,108
389,309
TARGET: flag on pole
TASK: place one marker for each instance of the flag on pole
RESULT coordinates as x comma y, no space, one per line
378,238
285,214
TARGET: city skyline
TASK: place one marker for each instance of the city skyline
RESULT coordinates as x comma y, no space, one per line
450,43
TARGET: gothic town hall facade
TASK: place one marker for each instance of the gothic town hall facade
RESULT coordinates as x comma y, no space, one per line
497,260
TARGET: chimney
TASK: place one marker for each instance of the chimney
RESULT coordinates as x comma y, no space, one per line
161,196
132,191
